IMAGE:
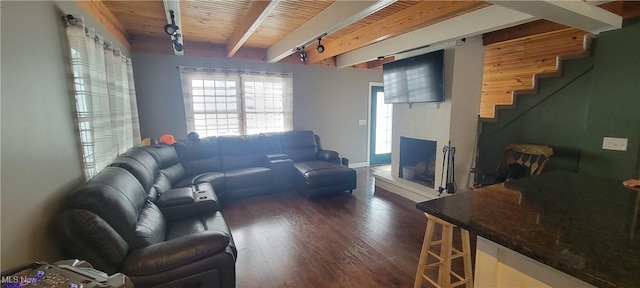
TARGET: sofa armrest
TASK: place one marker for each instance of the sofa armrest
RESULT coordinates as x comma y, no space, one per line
178,196
175,253
204,202
328,155
278,156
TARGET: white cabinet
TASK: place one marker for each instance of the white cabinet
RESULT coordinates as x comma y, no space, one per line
497,266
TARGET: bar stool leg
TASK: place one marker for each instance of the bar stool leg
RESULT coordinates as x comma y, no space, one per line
466,250
444,279
445,257
426,244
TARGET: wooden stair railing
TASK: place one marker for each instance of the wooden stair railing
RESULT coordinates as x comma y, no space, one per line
514,67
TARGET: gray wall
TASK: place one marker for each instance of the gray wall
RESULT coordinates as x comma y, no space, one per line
40,158
328,101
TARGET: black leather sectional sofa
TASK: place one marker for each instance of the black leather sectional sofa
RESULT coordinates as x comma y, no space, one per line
154,213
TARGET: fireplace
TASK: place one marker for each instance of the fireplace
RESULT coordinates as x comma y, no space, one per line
417,161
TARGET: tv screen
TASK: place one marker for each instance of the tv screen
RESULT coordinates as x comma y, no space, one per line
414,80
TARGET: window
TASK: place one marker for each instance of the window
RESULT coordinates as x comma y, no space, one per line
223,102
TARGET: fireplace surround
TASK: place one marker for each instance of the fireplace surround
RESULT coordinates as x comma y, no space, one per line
417,160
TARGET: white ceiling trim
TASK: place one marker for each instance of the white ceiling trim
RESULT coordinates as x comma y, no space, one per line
481,21
175,6
335,17
573,13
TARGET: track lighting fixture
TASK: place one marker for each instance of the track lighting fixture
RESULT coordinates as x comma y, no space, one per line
320,47
303,55
171,28
176,44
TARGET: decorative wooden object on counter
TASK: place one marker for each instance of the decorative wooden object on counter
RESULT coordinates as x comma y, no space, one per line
444,258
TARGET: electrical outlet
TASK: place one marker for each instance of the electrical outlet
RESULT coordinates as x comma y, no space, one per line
617,144
362,122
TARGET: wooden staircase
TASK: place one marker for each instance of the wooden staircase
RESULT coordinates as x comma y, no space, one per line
514,67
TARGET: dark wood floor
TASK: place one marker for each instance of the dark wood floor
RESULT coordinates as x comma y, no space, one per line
362,240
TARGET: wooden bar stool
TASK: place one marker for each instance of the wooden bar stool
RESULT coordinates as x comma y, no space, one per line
447,254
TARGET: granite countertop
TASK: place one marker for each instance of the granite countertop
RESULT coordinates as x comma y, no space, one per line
584,226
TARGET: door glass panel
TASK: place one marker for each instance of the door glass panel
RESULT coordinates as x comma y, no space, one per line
384,115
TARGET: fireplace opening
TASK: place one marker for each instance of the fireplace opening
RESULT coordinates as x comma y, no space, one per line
418,161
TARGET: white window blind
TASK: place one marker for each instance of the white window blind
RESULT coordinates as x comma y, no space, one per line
225,102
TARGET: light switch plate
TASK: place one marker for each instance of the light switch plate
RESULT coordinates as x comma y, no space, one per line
362,122
617,144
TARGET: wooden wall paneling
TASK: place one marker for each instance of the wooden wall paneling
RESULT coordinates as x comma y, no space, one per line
371,19
626,9
211,21
510,65
259,11
523,30
286,17
160,45
140,18
99,11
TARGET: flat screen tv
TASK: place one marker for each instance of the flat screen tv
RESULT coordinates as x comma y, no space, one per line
415,80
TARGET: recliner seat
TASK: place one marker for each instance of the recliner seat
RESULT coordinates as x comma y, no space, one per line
109,222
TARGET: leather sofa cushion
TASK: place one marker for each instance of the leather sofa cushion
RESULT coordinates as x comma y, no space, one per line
270,143
250,177
209,222
171,169
199,157
299,145
240,152
216,179
322,173
139,163
165,155
150,228
92,239
173,254
116,196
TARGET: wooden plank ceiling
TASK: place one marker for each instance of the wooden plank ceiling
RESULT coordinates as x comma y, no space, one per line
247,29
210,28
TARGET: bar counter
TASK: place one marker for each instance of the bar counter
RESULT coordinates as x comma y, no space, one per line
583,226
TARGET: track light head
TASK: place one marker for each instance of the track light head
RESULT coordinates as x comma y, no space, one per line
303,56
171,28
176,43
320,47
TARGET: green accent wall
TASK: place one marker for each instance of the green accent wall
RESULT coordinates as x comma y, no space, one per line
615,104
596,97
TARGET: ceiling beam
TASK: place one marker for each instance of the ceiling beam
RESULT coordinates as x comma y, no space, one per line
99,11
473,23
378,63
421,14
527,29
175,6
335,17
251,21
573,13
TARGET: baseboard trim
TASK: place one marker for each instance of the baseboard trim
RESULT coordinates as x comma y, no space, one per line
358,165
